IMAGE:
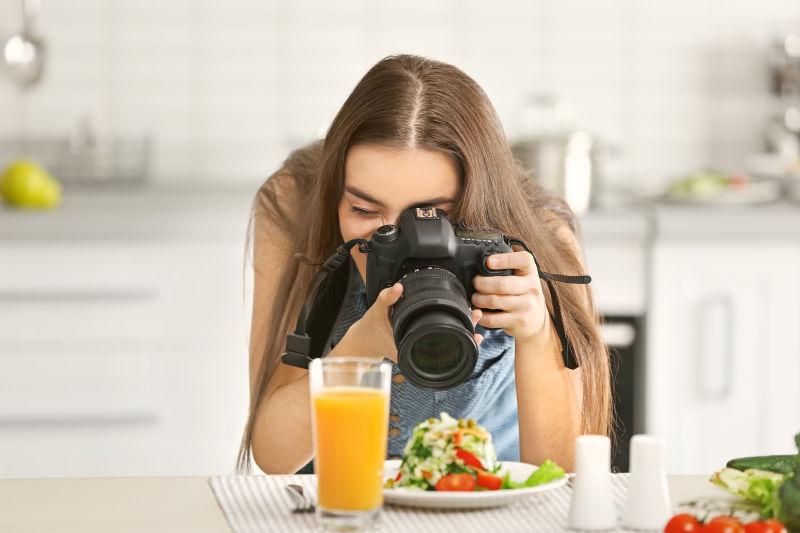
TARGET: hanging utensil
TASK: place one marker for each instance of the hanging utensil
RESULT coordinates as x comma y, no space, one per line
24,52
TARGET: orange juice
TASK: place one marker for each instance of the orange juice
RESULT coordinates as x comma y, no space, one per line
351,424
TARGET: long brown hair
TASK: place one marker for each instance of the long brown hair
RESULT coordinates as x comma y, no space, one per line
413,102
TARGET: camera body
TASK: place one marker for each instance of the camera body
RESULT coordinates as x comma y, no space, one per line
436,264
424,237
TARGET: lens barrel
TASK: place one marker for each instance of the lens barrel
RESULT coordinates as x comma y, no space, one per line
433,329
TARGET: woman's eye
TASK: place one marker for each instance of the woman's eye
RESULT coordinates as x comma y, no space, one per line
363,212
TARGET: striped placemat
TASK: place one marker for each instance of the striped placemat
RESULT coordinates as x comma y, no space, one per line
260,503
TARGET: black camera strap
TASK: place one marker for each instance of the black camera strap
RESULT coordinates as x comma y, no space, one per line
298,342
566,353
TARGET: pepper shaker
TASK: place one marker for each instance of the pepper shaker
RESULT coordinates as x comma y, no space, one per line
592,507
647,505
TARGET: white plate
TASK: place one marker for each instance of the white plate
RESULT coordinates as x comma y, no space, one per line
468,500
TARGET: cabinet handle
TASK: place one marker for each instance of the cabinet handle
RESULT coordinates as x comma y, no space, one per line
715,358
77,295
77,421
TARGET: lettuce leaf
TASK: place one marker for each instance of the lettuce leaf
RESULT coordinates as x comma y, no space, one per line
757,486
547,472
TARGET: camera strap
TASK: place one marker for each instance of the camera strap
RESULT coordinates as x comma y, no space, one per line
566,353
298,342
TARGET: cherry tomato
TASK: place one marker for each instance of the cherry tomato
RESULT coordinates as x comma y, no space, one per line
488,480
468,458
723,524
683,523
765,526
456,482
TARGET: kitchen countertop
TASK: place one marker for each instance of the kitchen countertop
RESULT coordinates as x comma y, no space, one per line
167,212
216,212
623,224
148,213
775,221
156,505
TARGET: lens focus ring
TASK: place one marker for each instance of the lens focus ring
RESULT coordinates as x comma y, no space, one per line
434,282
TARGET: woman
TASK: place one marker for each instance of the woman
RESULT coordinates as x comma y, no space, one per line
419,132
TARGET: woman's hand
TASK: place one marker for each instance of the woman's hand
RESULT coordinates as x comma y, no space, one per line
372,334
521,309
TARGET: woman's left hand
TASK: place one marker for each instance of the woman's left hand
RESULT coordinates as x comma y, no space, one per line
521,309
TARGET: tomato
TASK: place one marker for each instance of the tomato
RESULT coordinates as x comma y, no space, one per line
738,181
765,526
488,480
468,458
723,524
457,438
683,523
398,476
456,482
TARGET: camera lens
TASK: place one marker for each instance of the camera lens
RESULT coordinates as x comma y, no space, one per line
433,329
435,352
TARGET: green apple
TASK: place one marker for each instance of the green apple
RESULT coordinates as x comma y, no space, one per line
26,184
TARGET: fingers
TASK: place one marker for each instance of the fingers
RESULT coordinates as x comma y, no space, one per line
519,261
476,316
389,296
499,320
506,284
515,323
503,302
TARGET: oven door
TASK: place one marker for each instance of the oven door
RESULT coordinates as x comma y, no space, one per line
624,336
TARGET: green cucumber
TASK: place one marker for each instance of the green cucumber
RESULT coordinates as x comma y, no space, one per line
781,464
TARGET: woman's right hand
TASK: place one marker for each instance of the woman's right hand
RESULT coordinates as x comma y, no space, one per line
372,334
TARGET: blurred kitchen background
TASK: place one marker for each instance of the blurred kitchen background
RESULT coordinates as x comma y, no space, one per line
671,126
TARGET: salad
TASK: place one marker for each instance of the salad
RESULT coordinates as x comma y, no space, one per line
769,487
448,454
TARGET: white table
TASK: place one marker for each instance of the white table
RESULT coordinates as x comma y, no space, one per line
154,504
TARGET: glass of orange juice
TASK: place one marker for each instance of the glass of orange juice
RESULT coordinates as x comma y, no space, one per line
350,416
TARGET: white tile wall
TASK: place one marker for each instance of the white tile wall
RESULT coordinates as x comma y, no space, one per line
228,87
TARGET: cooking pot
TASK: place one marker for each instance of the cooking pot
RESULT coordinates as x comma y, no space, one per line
561,157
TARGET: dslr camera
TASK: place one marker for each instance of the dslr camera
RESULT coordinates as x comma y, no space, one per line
436,263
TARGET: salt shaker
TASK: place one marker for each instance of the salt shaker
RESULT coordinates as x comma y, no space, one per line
592,507
647,505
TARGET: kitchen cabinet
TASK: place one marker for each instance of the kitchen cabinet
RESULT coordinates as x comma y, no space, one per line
124,354
121,359
723,349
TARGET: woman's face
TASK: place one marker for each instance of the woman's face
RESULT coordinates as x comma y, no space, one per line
381,182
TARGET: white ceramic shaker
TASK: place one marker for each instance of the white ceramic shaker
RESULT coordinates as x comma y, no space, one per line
592,507
647,505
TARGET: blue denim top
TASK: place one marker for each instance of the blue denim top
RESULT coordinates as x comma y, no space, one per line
489,395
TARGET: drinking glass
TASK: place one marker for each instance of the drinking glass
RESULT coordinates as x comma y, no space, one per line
350,411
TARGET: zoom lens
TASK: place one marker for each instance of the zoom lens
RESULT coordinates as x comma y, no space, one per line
433,329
